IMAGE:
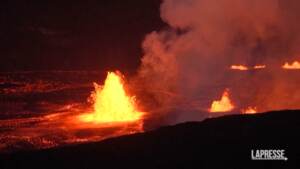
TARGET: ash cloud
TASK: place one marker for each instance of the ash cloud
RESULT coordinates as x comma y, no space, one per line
185,66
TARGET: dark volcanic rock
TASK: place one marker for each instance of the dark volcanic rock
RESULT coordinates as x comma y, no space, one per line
224,142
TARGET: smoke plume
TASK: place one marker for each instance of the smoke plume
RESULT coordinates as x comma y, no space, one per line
185,66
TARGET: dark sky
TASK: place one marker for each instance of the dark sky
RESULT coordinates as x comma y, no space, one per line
56,35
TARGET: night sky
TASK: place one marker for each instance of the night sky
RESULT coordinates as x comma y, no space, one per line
81,35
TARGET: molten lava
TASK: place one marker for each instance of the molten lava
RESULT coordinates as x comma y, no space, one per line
223,105
111,103
244,68
239,67
259,67
294,65
249,110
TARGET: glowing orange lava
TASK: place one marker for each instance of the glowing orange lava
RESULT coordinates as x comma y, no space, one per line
111,103
223,105
294,65
259,66
249,110
239,67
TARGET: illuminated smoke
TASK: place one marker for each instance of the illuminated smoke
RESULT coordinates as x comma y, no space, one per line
189,60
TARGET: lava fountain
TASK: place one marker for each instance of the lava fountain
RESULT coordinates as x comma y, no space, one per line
111,103
114,113
294,65
223,105
250,110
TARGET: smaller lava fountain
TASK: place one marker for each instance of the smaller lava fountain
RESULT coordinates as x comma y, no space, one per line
111,103
223,105
250,110
294,65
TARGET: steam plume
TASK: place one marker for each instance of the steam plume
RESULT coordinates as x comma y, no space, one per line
186,64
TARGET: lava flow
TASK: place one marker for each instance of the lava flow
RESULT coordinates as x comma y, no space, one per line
294,65
239,67
244,68
259,67
223,105
114,113
111,103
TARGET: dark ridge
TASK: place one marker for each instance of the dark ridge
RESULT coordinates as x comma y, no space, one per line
224,142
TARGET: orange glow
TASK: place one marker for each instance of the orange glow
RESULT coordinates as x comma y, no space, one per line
223,105
239,67
294,65
114,113
259,66
249,110
111,103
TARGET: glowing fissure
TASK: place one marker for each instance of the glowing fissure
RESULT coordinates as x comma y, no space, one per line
239,67
259,67
244,68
